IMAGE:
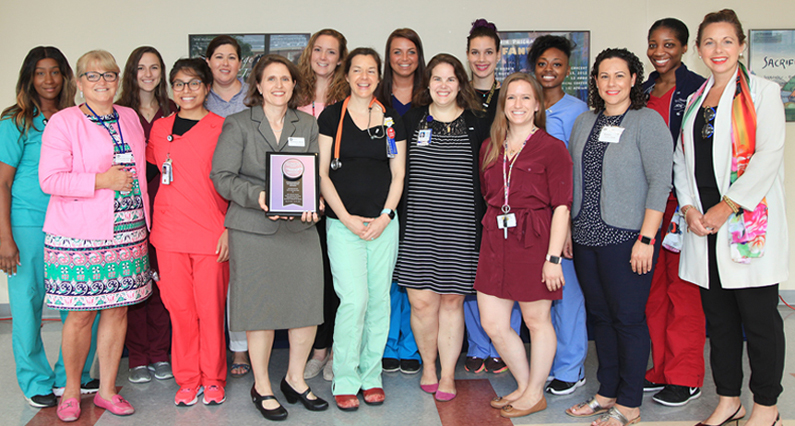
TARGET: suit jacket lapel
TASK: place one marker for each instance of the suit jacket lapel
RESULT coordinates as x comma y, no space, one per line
258,115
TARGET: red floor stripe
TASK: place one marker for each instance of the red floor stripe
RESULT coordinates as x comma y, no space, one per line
89,415
471,406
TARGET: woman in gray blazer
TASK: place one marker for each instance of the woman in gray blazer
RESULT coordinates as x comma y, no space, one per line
276,269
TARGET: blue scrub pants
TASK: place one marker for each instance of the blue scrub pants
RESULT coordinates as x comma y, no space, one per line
400,342
26,299
479,343
568,318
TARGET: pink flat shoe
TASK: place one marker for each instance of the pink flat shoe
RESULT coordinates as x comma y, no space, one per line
117,405
444,396
430,388
69,410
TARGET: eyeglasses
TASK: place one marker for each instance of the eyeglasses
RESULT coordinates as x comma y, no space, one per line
708,129
179,86
94,76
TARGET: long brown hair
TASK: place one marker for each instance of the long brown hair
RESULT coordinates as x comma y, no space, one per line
130,91
465,98
338,89
28,104
384,91
499,129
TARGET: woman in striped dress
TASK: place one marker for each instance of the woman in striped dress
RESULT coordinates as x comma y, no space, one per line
441,212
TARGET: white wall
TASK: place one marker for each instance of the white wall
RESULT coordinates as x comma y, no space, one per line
81,25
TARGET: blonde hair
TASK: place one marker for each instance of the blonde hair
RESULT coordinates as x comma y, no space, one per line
499,129
101,58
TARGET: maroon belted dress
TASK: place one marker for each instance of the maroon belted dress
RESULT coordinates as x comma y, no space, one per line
541,181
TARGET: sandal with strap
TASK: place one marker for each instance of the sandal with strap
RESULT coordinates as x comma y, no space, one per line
246,369
593,404
613,413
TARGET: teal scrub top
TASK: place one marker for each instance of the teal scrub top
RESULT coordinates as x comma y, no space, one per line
28,201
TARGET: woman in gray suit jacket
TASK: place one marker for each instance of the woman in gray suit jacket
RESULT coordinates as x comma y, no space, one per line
276,267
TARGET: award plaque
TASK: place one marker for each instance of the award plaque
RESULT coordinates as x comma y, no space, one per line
293,186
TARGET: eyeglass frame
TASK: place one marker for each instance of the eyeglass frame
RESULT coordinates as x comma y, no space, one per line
100,75
199,82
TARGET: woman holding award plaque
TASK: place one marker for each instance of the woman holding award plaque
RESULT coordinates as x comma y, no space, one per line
275,263
362,164
192,244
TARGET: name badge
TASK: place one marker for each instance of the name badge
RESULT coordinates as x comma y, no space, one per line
123,158
291,141
424,137
505,221
610,134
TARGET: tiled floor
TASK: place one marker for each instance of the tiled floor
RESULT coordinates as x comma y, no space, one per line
405,404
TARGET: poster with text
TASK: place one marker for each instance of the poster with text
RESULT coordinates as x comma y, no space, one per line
254,46
516,44
771,55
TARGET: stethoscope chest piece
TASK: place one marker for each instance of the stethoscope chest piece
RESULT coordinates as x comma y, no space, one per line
336,164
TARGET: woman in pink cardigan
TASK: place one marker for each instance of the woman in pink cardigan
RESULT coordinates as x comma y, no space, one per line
95,248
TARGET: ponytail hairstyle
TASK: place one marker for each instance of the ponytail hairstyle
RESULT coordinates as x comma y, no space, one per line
483,28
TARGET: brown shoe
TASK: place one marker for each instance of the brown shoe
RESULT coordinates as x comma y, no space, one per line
499,402
509,412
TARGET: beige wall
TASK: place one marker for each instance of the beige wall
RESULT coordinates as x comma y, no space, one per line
80,25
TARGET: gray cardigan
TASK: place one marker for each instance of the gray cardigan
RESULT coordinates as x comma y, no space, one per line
239,165
636,171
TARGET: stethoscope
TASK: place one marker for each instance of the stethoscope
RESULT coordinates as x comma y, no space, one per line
378,132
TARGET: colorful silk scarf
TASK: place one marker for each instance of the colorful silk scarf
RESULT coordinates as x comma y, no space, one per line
747,229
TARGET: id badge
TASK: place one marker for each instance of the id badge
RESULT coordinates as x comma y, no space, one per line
125,158
167,172
505,221
424,137
391,146
296,141
610,134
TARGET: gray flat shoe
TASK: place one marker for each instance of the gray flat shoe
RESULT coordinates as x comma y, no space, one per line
613,413
314,367
139,374
161,370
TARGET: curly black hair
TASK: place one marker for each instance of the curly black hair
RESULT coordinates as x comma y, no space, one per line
636,96
544,43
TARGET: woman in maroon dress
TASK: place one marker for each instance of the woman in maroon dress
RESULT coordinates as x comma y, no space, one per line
526,179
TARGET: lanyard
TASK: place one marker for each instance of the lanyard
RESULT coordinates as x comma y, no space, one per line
119,145
491,93
508,170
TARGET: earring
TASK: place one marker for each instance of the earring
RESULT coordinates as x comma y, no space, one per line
81,94
741,54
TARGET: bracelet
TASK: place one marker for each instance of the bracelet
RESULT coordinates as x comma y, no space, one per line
686,209
732,205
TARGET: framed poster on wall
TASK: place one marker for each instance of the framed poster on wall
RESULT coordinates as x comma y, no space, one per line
771,55
254,46
516,44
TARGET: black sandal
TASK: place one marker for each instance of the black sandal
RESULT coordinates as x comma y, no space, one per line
279,413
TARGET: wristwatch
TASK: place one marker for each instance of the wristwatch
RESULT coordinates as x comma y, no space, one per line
390,212
554,259
646,240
